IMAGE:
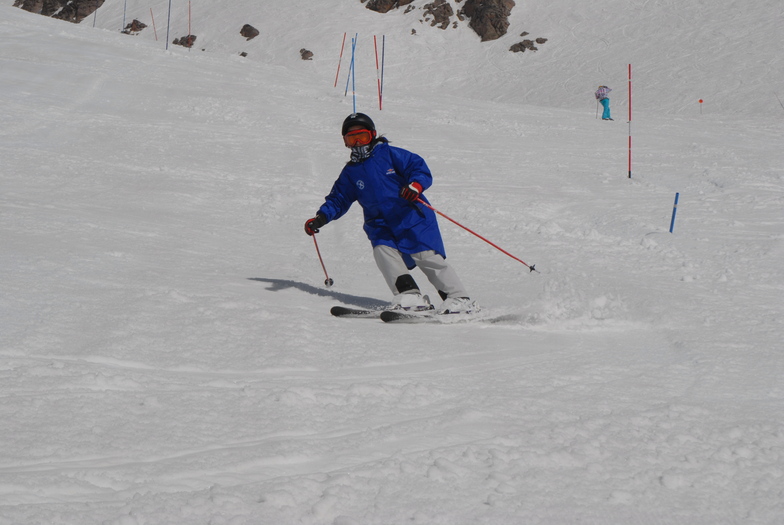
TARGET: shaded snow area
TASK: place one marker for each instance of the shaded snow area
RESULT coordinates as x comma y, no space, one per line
167,355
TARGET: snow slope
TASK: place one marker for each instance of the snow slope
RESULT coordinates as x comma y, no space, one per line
166,352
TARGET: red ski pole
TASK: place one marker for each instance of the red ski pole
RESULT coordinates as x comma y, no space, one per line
328,281
531,267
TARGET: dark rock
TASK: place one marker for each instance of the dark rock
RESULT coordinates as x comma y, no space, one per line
520,47
440,10
305,54
185,41
134,28
383,6
69,10
489,18
249,32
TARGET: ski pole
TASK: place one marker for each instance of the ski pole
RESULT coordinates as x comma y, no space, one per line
328,281
531,267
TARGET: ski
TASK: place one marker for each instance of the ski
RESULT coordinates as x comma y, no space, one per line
360,313
402,316
424,316
482,316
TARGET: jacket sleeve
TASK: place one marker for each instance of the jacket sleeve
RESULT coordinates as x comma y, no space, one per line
340,198
411,167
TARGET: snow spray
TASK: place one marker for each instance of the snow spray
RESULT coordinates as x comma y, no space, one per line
674,211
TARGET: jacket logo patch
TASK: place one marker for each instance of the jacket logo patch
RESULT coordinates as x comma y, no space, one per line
361,184
391,171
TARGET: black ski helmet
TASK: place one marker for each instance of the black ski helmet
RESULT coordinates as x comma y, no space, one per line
357,119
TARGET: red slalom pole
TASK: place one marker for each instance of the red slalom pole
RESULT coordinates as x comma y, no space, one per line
153,25
328,281
340,59
532,267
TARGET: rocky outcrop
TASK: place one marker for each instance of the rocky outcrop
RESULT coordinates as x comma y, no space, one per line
489,18
528,44
134,28
70,10
383,6
438,13
185,41
306,54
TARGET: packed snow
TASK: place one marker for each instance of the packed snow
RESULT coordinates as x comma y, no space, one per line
167,354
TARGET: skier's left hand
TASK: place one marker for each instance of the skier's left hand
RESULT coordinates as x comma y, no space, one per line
411,192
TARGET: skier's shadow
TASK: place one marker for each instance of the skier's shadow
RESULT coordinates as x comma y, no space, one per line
282,284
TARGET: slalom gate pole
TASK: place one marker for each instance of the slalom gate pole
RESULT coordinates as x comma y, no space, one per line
354,82
328,281
342,45
777,98
153,25
383,46
674,211
168,26
378,78
630,121
351,65
125,8
531,268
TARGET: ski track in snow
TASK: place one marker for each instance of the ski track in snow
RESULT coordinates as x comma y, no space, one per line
167,353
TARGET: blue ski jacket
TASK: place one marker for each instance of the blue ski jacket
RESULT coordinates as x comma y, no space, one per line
390,220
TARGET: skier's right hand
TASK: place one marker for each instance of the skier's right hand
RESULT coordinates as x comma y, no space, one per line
312,225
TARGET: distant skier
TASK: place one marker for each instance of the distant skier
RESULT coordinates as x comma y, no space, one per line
602,95
387,181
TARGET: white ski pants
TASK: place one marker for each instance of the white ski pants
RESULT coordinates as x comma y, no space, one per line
440,274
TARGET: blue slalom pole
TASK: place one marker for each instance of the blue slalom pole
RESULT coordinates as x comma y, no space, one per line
351,65
168,25
674,211
354,86
383,46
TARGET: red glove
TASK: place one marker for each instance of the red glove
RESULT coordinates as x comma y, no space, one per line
411,192
312,225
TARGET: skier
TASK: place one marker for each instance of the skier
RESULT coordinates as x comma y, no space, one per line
602,95
387,181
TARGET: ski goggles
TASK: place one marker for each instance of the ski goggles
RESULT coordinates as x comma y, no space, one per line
358,137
